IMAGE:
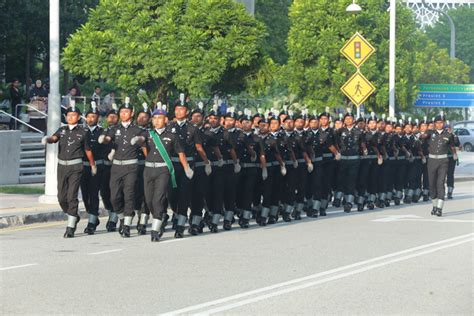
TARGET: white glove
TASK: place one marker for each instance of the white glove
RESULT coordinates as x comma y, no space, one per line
365,152
455,156
208,168
253,157
111,155
137,140
423,160
264,173
310,167
44,140
94,170
189,173
237,168
283,170
220,163
338,156
295,164
380,160
101,139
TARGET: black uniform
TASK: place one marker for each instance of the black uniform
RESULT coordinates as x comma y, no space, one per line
326,139
157,176
439,144
451,167
389,166
140,206
73,142
315,144
124,170
302,171
349,142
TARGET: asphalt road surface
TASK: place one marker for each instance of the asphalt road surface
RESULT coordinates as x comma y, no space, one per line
397,260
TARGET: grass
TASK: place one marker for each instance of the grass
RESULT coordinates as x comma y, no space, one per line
21,189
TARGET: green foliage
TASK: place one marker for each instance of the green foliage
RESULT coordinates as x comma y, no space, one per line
440,33
316,69
189,45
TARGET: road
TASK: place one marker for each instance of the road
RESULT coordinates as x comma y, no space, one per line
397,260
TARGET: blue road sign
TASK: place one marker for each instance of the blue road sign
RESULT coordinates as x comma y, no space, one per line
445,99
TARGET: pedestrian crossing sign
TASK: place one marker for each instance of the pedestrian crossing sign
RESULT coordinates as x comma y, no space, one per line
358,88
357,50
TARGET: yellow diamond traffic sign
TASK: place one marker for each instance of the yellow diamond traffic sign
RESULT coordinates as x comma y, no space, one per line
358,88
357,50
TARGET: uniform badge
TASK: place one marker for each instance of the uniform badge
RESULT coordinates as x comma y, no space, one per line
117,132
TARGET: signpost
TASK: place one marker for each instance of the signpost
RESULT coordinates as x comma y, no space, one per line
357,50
445,95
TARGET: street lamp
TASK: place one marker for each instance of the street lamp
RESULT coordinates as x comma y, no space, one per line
354,8
452,50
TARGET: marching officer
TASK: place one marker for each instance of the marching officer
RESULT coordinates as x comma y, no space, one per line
452,164
159,172
74,144
90,184
128,139
440,142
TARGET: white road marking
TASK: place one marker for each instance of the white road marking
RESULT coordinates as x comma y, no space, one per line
314,276
415,218
17,267
331,278
104,252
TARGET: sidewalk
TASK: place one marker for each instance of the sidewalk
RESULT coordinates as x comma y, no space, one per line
24,209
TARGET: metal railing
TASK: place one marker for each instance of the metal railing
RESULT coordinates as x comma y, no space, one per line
29,107
22,122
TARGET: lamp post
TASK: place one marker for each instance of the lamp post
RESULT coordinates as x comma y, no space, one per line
452,48
54,109
354,8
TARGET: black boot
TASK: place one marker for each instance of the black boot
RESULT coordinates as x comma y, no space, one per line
111,226
439,212
69,232
387,203
396,201
322,212
155,236
193,230
336,203
371,205
425,198
91,228
360,207
179,233
120,230
271,220
125,231
347,207
166,218
141,229
244,223
434,210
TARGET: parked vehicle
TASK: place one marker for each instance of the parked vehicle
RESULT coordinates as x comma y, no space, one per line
466,137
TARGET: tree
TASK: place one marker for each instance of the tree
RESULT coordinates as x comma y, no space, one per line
189,45
440,33
274,13
316,69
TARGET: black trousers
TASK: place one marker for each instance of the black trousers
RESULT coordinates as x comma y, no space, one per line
140,204
230,187
258,189
363,176
426,181
156,188
317,181
288,185
201,184
69,180
450,175
269,185
347,175
122,188
327,175
247,182
90,186
301,176
437,171
104,183
180,197
375,177
336,185
389,176
215,194
400,174
414,170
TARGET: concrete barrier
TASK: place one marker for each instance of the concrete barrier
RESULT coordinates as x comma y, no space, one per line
10,147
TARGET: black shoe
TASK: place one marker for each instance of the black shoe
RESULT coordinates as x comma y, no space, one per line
77,222
309,213
434,210
407,200
336,203
396,201
213,228
425,198
227,225
141,229
193,230
297,216
371,205
120,230
111,226
271,220
244,223
261,221
387,203
91,228
126,231
286,217
155,236
347,207
69,232
322,212
416,198
439,212
360,207
166,218
450,196
179,233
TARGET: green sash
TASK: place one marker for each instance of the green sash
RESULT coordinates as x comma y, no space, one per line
165,156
